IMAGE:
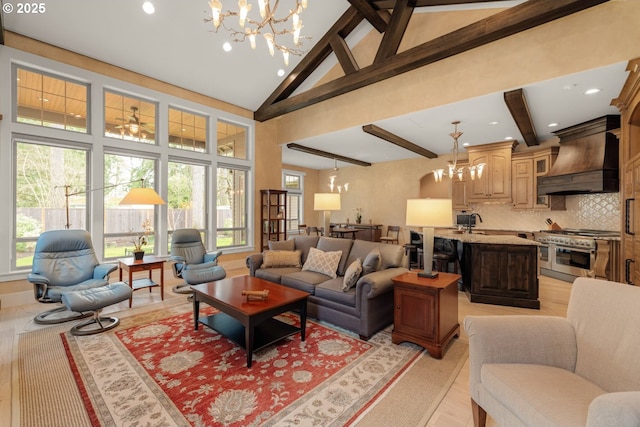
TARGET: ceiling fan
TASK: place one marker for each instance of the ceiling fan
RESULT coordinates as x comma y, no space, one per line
134,125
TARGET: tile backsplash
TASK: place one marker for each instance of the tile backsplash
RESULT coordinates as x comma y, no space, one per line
592,211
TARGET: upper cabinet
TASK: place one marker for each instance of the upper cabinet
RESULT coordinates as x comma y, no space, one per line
460,191
495,183
526,167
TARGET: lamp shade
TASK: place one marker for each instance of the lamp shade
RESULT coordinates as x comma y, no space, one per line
142,196
429,213
326,201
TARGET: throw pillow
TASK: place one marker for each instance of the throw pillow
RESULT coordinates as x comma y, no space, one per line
282,245
322,262
352,275
280,259
371,262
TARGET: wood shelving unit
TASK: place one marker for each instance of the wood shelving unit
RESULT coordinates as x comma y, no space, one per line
273,215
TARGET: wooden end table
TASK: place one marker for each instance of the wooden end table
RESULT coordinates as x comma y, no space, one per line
148,263
426,311
250,324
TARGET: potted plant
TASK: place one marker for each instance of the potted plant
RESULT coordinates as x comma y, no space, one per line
358,215
141,240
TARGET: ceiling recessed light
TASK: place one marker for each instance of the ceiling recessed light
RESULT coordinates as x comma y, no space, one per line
226,47
591,91
508,138
465,144
280,72
493,123
552,125
148,7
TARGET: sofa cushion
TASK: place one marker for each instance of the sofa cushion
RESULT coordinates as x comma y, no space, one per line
332,244
540,395
390,255
331,290
304,243
282,245
304,280
352,275
371,262
275,274
283,258
322,262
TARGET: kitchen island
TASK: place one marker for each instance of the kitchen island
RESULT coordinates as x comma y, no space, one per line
497,269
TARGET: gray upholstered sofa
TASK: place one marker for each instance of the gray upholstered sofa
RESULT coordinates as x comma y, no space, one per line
582,370
366,308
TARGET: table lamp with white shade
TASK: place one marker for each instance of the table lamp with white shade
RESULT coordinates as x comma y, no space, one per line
326,202
429,213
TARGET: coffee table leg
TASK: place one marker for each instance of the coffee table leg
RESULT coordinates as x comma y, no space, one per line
303,319
196,311
248,340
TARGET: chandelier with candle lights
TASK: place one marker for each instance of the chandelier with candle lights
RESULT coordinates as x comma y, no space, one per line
454,170
272,28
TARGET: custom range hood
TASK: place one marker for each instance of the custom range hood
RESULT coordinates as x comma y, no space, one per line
587,160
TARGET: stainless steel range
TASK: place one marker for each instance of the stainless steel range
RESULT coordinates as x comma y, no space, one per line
570,253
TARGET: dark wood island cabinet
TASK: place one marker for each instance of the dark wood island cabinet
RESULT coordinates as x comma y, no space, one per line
500,270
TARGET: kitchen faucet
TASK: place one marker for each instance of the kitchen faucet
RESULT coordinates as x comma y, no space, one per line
470,217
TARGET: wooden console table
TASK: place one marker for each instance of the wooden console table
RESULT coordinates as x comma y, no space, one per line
426,311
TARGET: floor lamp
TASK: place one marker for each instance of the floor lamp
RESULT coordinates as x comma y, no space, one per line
326,202
135,196
429,213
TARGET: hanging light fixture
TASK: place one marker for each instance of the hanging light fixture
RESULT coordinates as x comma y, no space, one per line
269,26
454,170
332,180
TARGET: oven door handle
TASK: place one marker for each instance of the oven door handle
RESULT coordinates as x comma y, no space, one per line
627,216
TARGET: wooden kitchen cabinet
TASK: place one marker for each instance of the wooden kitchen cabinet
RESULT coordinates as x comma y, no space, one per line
628,102
426,311
495,183
459,191
526,167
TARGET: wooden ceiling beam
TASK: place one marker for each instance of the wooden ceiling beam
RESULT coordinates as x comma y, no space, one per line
519,109
370,14
343,27
397,140
390,4
393,36
502,24
316,152
344,54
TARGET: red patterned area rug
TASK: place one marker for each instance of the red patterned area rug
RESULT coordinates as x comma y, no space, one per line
164,373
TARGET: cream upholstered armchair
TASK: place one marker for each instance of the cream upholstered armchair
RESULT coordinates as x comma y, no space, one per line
582,370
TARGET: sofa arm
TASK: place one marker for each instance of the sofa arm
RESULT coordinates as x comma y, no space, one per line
621,409
539,340
378,282
254,262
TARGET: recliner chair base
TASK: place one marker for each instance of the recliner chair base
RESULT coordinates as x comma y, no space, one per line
103,324
183,288
45,318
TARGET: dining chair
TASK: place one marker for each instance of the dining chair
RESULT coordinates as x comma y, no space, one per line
393,235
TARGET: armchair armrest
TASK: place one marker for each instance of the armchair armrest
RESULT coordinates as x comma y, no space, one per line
621,409
379,282
102,271
540,340
254,262
212,256
37,279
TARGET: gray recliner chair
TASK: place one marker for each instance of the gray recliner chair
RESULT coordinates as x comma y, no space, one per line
192,262
64,262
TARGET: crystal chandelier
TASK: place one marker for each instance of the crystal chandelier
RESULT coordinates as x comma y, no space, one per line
453,166
332,180
269,26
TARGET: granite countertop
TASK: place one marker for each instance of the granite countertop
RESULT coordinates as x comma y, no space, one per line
483,238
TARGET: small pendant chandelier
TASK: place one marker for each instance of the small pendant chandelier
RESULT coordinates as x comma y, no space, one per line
332,180
454,170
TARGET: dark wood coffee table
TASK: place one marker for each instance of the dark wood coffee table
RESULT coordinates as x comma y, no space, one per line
250,324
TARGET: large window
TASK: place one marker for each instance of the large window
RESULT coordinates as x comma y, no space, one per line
293,182
50,101
231,207
129,118
122,223
45,173
187,131
232,140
